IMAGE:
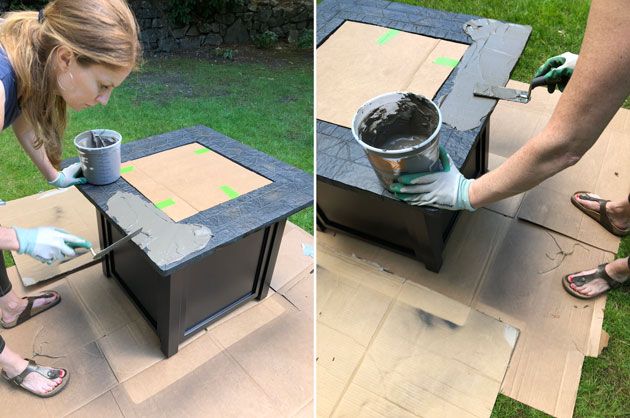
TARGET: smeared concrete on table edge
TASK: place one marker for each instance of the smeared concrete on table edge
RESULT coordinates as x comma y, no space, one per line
489,59
164,241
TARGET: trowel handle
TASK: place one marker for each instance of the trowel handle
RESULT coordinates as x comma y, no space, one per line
538,81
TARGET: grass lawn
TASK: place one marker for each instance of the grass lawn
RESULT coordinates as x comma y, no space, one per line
558,26
264,101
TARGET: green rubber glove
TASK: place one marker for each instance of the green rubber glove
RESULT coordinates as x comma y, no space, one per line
446,189
69,176
557,71
47,244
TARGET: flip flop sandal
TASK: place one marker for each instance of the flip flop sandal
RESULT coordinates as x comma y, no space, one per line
47,372
600,273
600,216
31,311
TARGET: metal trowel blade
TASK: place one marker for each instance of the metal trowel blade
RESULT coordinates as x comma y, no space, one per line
501,93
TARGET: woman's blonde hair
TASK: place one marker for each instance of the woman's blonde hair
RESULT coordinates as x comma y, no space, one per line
101,32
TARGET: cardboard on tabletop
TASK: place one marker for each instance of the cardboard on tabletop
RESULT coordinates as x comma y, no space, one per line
408,360
361,61
510,270
61,208
191,178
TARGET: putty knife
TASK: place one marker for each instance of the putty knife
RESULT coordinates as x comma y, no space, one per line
504,93
97,255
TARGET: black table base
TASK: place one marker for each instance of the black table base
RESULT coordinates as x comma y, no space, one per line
417,232
189,299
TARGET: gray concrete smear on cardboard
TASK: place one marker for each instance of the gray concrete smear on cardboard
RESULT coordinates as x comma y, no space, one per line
163,240
493,53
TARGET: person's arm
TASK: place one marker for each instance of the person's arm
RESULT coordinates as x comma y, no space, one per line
26,135
598,87
8,239
69,176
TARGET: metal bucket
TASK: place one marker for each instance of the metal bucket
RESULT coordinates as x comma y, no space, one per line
399,134
99,152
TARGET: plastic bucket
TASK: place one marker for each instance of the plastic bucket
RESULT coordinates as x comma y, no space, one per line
399,133
99,152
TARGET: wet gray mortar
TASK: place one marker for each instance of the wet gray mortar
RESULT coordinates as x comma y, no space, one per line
290,192
340,160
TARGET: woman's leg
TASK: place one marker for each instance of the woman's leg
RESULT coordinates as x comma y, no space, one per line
13,364
11,305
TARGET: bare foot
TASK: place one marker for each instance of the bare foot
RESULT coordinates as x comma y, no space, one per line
34,381
614,210
13,305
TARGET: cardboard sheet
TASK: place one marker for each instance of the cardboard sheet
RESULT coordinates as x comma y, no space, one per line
61,208
602,170
361,61
409,361
511,270
189,179
116,365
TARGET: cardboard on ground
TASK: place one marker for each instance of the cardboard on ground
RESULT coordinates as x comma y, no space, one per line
61,208
510,270
256,361
189,179
361,61
387,346
603,170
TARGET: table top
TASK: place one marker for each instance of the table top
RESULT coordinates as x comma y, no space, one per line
340,159
291,189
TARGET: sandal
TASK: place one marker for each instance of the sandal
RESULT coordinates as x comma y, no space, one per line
30,311
586,278
600,216
47,372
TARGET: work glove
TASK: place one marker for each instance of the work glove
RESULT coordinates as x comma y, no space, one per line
47,244
446,189
557,71
68,177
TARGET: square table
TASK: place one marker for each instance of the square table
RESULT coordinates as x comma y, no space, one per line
183,297
350,199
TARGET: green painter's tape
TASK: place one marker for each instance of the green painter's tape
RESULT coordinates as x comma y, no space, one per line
446,61
127,169
387,36
202,151
230,192
165,203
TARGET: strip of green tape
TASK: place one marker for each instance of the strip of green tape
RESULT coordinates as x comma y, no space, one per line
446,61
127,169
202,151
230,192
165,203
387,36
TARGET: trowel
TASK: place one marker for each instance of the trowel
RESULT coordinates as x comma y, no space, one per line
504,93
100,254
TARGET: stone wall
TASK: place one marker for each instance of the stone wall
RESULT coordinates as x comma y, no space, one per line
288,19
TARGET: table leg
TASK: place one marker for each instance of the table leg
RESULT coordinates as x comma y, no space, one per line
104,237
169,316
269,256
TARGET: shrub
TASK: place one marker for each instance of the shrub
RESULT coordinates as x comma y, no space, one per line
265,40
183,12
305,40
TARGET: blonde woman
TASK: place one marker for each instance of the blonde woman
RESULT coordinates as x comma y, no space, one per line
72,53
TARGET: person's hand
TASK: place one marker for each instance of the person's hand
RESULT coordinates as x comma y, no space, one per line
446,189
68,177
557,71
47,244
